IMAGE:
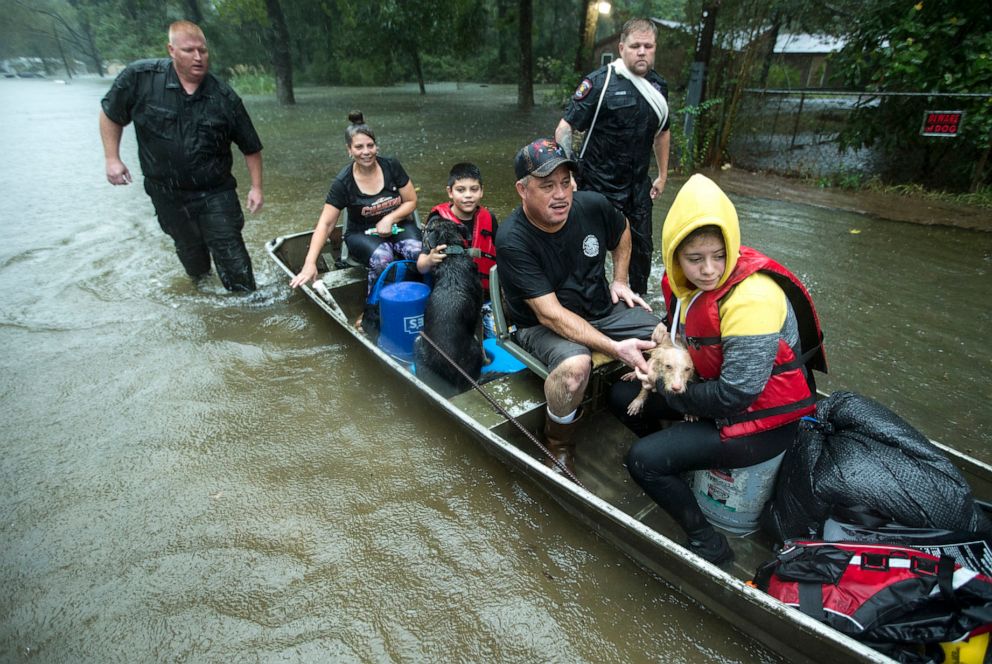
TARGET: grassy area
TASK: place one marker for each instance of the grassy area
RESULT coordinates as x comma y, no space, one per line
854,181
251,80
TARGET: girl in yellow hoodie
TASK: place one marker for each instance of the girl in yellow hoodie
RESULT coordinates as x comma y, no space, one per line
753,334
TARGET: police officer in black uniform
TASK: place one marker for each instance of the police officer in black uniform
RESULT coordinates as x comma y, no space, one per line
626,131
185,120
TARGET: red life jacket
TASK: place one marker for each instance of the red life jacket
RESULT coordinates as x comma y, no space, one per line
880,593
482,239
790,391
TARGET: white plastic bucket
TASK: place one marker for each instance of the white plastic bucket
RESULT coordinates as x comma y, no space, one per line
733,499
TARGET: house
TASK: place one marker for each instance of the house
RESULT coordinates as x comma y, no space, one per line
808,54
802,53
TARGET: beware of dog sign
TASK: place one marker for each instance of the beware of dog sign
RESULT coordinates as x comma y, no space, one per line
941,123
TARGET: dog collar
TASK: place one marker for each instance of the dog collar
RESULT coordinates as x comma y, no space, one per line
455,250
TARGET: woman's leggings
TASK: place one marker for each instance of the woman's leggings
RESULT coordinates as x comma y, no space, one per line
657,459
379,253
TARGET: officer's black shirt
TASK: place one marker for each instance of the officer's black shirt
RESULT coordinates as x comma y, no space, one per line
569,262
621,146
184,141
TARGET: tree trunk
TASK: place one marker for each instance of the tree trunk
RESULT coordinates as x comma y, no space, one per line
419,69
504,29
525,85
770,53
978,175
281,60
65,60
91,48
193,11
587,37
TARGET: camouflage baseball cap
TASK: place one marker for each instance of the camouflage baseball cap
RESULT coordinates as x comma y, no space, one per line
540,158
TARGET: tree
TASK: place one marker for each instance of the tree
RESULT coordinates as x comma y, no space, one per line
282,63
587,36
49,29
267,23
525,84
933,47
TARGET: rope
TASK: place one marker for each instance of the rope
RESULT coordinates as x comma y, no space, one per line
502,411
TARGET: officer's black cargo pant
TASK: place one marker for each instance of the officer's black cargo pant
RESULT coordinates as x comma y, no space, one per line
637,209
204,225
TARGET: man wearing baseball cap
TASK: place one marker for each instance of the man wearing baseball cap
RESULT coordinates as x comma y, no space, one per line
551,256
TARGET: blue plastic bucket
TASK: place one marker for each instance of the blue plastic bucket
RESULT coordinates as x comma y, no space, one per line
401,313
733,499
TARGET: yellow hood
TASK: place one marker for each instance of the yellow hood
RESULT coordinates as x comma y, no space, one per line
700,202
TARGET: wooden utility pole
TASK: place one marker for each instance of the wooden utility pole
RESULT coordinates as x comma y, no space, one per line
696,92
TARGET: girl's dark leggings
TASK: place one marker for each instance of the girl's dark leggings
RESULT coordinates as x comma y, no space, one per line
657,459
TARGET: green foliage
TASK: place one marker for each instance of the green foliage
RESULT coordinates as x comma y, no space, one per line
363,72
783,77
561,75
455,68
980,198
854,181
847,180
251,80
927,47
689,156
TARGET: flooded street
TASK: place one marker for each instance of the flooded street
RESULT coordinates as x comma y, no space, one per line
190,475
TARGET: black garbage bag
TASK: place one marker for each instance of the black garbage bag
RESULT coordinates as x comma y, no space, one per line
861,458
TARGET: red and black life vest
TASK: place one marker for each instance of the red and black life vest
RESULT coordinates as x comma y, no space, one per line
790,391
482,239
880,593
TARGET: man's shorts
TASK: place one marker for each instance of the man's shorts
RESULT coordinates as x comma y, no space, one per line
621,323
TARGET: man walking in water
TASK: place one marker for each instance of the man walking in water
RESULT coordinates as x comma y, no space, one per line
623,109
185,120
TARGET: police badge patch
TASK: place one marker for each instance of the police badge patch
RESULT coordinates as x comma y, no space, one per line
590,246
584,87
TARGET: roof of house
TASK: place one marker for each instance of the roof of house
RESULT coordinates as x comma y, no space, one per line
787,42
802,43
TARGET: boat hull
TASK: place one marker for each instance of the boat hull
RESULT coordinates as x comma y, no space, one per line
609,504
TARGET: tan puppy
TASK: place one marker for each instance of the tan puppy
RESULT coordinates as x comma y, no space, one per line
667,362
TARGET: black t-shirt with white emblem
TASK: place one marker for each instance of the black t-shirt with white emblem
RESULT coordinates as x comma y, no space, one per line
569,262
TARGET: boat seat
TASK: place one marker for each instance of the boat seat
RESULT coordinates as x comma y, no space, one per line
505,330
345,260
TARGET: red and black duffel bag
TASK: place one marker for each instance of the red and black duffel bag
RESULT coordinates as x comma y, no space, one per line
894,598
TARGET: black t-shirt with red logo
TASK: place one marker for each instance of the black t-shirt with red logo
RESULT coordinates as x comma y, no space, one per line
365,210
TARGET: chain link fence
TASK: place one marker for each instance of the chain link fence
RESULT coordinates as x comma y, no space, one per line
796,132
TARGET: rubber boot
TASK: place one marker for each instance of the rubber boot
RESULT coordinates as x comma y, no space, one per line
711,545
558,439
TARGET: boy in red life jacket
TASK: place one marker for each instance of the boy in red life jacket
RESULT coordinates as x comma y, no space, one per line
478,224
753,335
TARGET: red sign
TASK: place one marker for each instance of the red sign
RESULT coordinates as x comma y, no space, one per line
941,123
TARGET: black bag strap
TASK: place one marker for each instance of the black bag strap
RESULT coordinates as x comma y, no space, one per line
811,600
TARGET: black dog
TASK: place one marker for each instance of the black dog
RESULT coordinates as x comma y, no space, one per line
453,313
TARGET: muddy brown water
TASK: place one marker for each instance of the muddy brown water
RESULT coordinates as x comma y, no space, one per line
193,476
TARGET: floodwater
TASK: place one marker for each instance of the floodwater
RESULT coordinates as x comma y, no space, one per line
189,475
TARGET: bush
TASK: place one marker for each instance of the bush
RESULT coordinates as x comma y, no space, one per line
364,72
561,75
251,80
